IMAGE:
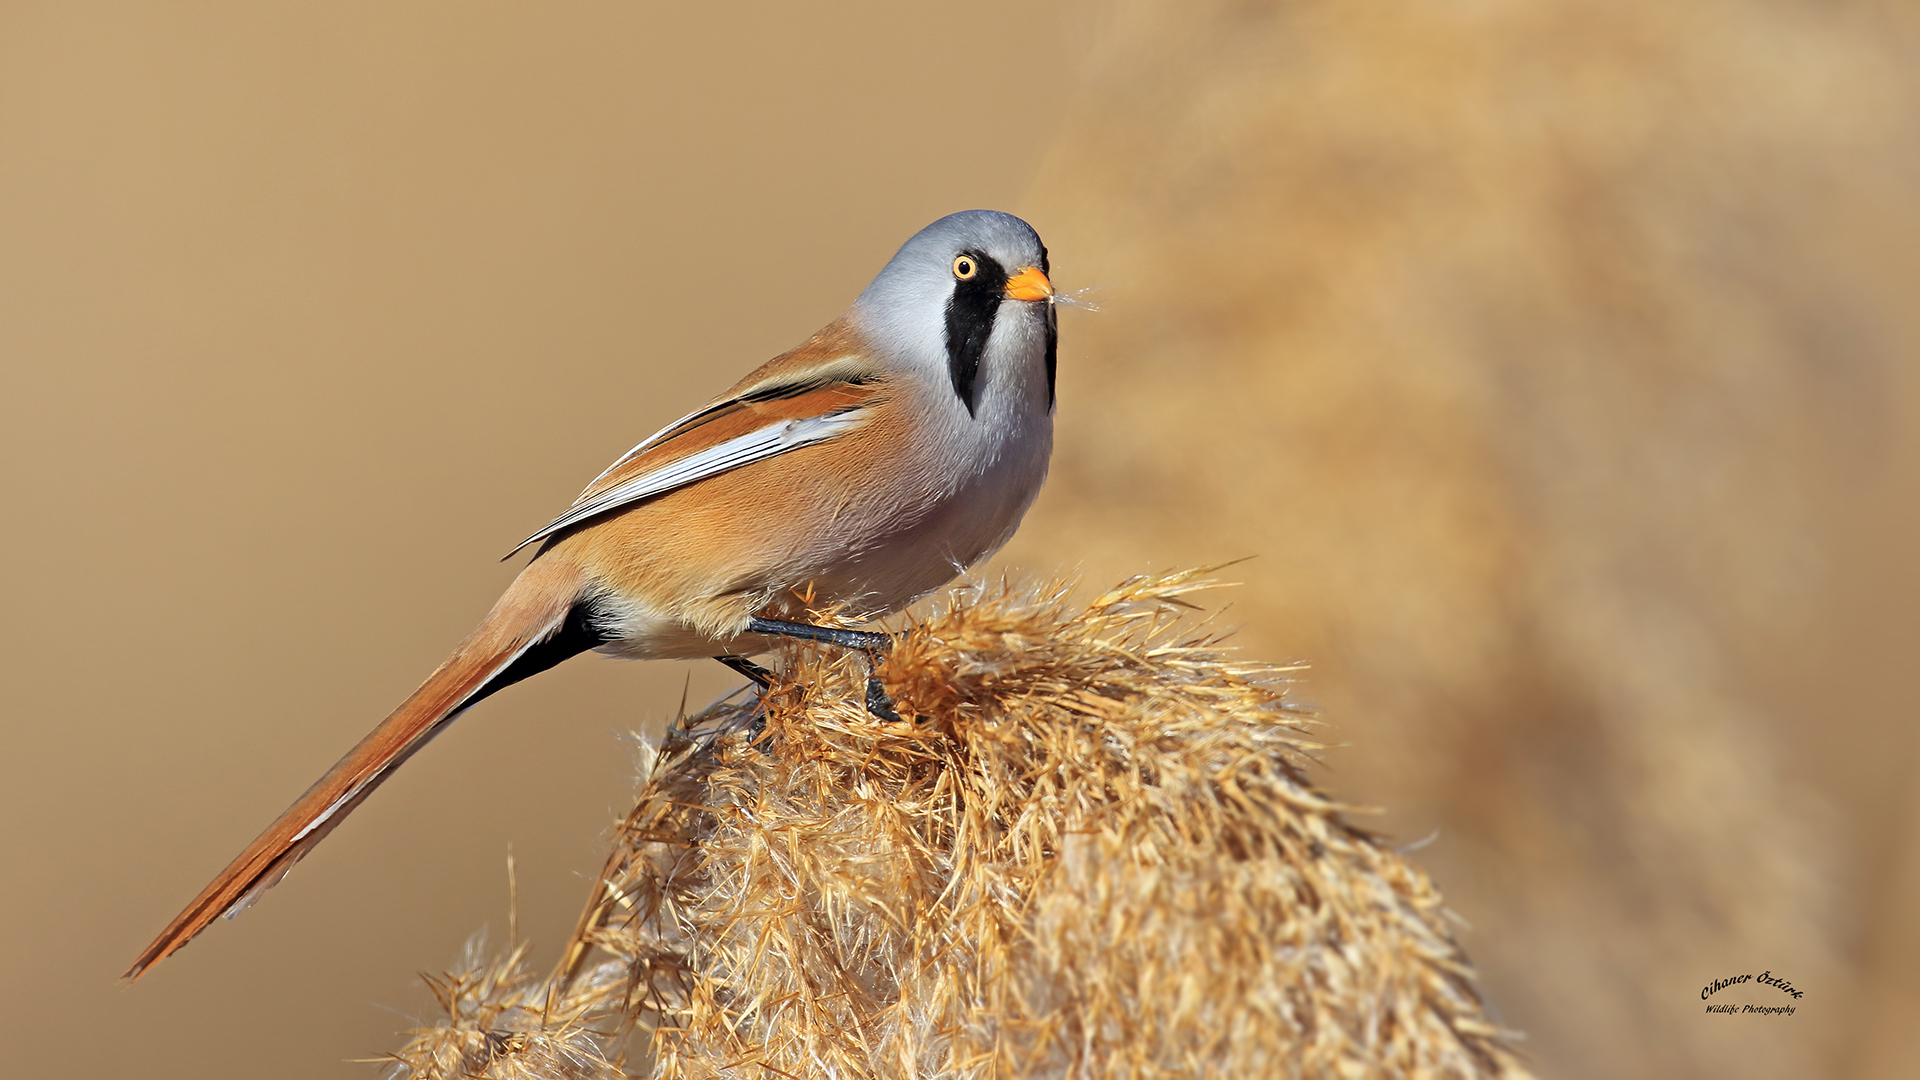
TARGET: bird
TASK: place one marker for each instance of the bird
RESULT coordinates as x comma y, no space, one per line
866,468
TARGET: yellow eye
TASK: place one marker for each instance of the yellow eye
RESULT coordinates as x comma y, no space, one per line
964,267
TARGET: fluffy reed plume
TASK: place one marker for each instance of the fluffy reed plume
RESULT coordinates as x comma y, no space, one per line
1093,853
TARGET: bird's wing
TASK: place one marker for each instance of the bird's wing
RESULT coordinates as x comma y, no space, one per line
792,402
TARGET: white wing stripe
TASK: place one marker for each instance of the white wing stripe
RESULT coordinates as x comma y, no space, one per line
842,365
648,441
766,442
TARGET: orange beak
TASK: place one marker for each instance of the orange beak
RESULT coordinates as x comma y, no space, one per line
1029,284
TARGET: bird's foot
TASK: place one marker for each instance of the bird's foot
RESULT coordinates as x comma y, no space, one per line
873,645
879,704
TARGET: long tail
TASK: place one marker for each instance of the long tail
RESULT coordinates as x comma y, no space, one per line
540,621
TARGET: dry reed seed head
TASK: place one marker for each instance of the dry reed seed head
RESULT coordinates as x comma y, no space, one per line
1090,851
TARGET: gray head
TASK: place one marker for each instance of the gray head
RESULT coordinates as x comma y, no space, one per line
968,294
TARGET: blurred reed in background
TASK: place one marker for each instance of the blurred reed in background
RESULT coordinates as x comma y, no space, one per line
1535,349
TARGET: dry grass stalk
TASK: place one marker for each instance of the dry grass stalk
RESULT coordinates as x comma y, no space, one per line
1094,854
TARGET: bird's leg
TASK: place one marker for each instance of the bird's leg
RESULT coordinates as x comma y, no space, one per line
866,641
873,645
761,678
755,674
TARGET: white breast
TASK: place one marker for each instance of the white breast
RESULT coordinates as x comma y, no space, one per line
990,464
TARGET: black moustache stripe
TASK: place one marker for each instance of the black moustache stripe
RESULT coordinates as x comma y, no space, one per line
970,314
1053,351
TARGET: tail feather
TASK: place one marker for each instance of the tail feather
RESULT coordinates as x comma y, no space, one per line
529,630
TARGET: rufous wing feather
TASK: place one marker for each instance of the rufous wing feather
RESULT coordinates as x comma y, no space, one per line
820,391
532,611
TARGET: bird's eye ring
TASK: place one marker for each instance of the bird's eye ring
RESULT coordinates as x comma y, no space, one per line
964,267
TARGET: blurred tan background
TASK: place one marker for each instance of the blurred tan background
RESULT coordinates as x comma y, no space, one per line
1556,361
